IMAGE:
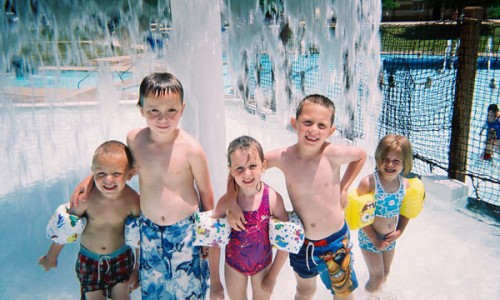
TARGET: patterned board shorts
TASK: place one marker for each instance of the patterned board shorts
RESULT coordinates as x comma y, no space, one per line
170,266
331,258
103,271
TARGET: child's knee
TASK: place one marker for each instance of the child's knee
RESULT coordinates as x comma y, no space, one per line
306,288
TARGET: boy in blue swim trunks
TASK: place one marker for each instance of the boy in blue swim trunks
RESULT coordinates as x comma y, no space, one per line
318,194
174,184
105,266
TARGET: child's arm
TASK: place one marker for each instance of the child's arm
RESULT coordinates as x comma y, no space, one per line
269,280
278,210
82,191
357,157
216,288
199,167
49,260
134,276
234,213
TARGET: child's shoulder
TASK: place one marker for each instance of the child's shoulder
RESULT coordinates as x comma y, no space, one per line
188,143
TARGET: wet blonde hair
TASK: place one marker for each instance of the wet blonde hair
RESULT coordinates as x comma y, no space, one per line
392,142
113,148
244,143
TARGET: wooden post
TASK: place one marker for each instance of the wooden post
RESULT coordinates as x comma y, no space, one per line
462,108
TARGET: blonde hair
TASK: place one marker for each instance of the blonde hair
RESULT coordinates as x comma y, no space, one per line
244,143
393,142
113,148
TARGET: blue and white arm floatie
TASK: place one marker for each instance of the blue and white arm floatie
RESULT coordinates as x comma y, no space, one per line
63,227
214,232
287,236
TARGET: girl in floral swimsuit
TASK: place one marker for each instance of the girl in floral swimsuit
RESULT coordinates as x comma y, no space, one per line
249,253
377,241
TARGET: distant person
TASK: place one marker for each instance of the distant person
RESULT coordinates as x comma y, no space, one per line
493,84
428,82
492,127
174,183
377,241
106,266
249,254
318,194
392,81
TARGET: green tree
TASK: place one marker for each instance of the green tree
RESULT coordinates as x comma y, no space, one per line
390,4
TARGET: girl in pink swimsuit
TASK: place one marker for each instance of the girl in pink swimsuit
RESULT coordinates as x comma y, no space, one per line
249,253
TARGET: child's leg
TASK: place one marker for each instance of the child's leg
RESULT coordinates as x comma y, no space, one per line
236,283
121,291
95,295
306,287
388,256
257,291
375,264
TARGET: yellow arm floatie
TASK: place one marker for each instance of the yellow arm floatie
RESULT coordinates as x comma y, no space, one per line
413,202
360,210
63,227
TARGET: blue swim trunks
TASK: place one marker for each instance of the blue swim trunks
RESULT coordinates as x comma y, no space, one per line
170,266
331,258
366,244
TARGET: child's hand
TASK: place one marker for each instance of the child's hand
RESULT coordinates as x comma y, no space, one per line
204,252
216,291
268,283
380,244
234,214
82,191
391,237
47,263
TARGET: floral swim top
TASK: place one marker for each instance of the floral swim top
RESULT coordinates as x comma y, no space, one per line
387,205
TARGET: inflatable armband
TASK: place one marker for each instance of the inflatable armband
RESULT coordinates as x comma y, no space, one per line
132,234
413,202
63,227
287,236
360,210
209,231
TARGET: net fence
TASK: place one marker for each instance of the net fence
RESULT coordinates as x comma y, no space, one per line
437,81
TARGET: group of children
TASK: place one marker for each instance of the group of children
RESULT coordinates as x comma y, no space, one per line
174,185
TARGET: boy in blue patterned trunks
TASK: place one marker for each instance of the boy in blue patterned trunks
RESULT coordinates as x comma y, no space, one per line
170,163
318,194
105,266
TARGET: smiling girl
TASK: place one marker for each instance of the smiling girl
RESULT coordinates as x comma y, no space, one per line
377,241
